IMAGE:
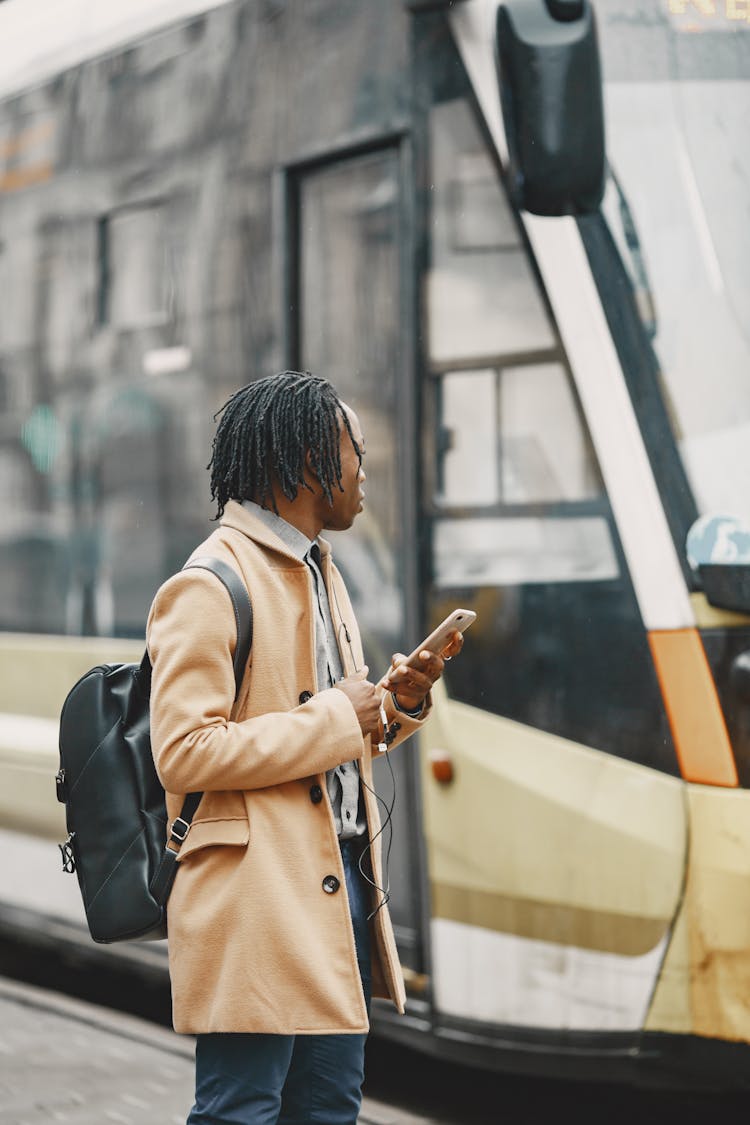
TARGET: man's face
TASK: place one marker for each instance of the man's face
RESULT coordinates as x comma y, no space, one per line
347,504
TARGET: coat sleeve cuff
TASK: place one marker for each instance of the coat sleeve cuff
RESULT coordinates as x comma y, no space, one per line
400,724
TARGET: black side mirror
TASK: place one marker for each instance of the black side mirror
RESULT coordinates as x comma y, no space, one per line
718,550
551,97
726,585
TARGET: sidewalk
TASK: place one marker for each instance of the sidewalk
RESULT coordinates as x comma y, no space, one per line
62,1060
65,1061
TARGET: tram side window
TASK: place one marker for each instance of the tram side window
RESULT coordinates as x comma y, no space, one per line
511,438
511,434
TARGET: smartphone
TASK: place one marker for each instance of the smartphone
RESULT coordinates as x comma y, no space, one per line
439,638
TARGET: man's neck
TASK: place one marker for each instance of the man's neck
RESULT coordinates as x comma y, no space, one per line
297,513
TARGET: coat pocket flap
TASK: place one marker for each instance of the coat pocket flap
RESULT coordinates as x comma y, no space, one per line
209,833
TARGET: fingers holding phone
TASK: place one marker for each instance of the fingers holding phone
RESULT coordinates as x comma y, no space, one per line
411,678
453,647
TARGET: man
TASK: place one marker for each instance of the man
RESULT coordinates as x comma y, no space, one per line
278,930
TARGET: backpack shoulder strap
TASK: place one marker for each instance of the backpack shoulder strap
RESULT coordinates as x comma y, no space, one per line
243,615
243,610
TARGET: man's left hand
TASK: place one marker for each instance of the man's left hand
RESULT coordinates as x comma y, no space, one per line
410,686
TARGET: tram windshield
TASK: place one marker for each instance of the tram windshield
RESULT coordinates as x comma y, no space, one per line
677,97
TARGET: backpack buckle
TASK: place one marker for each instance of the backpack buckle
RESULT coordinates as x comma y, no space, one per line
68,858
179,830
62,789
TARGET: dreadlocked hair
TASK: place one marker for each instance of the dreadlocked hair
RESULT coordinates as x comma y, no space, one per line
266,429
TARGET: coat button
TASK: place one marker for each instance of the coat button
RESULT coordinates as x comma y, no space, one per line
304,696
331,884
316,794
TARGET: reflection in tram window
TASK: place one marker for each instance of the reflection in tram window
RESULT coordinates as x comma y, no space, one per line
678,144
482,299
17,261
519,551
66,250
133,277
513,436
543,446
469,439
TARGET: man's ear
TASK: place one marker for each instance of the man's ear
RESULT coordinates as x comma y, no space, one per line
311,465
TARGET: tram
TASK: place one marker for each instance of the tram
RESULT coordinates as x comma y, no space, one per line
552,379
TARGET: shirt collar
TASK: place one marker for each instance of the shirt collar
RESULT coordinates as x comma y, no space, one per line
290,536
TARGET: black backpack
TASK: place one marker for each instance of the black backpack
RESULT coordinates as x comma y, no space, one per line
115,807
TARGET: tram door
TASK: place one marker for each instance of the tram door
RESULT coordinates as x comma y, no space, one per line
347,324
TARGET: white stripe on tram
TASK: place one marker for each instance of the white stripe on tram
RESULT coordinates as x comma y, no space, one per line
502,978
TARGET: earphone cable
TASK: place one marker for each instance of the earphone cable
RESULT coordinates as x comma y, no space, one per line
384,891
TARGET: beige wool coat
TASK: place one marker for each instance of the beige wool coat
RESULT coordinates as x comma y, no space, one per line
255,943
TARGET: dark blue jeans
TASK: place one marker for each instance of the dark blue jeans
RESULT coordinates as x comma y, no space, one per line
289,1079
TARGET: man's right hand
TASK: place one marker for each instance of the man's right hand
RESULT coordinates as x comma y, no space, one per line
365,699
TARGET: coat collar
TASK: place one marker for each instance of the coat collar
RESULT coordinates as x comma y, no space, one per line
290,536
243,519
